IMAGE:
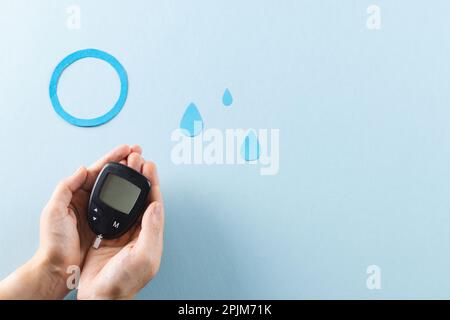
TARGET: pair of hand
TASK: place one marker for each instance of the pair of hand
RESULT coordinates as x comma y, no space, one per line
118,269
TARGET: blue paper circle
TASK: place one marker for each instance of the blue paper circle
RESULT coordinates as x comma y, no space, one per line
67,61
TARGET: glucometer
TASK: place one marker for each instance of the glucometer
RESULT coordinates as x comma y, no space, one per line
118,198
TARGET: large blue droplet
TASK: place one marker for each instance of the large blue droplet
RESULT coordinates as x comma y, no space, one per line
227,98
191,123
250,149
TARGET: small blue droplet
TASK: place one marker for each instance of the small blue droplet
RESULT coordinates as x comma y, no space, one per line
227,98
191,123
250,149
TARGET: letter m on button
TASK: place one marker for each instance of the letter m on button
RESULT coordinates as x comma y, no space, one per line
116,224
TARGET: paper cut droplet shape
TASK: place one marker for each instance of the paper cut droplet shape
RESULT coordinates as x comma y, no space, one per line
191,123
227,98
250,149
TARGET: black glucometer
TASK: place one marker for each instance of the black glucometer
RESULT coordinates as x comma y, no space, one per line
119,196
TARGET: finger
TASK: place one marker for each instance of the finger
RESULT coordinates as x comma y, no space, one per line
136,148
124,162
65,189
150,240
135,161
116,155
150,172
136,231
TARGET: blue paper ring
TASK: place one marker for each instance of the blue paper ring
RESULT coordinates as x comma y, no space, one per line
67,61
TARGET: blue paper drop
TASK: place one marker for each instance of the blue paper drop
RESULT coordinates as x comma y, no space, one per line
191,123
227,98
250,149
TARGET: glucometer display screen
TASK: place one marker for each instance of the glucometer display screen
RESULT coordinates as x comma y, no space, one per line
119,193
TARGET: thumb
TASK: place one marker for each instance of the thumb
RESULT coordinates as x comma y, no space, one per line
150,241
65,189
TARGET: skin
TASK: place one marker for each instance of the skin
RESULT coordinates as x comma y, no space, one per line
118,269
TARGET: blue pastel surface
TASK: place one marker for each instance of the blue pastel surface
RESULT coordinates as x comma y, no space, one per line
364,119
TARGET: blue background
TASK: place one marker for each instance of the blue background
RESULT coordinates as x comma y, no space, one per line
363,115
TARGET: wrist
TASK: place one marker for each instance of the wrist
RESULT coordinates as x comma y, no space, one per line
104,297
36,279
97,292
109,294
51,277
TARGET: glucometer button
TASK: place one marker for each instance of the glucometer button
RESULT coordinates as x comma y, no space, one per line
96,214
116,224
96,211
95,219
